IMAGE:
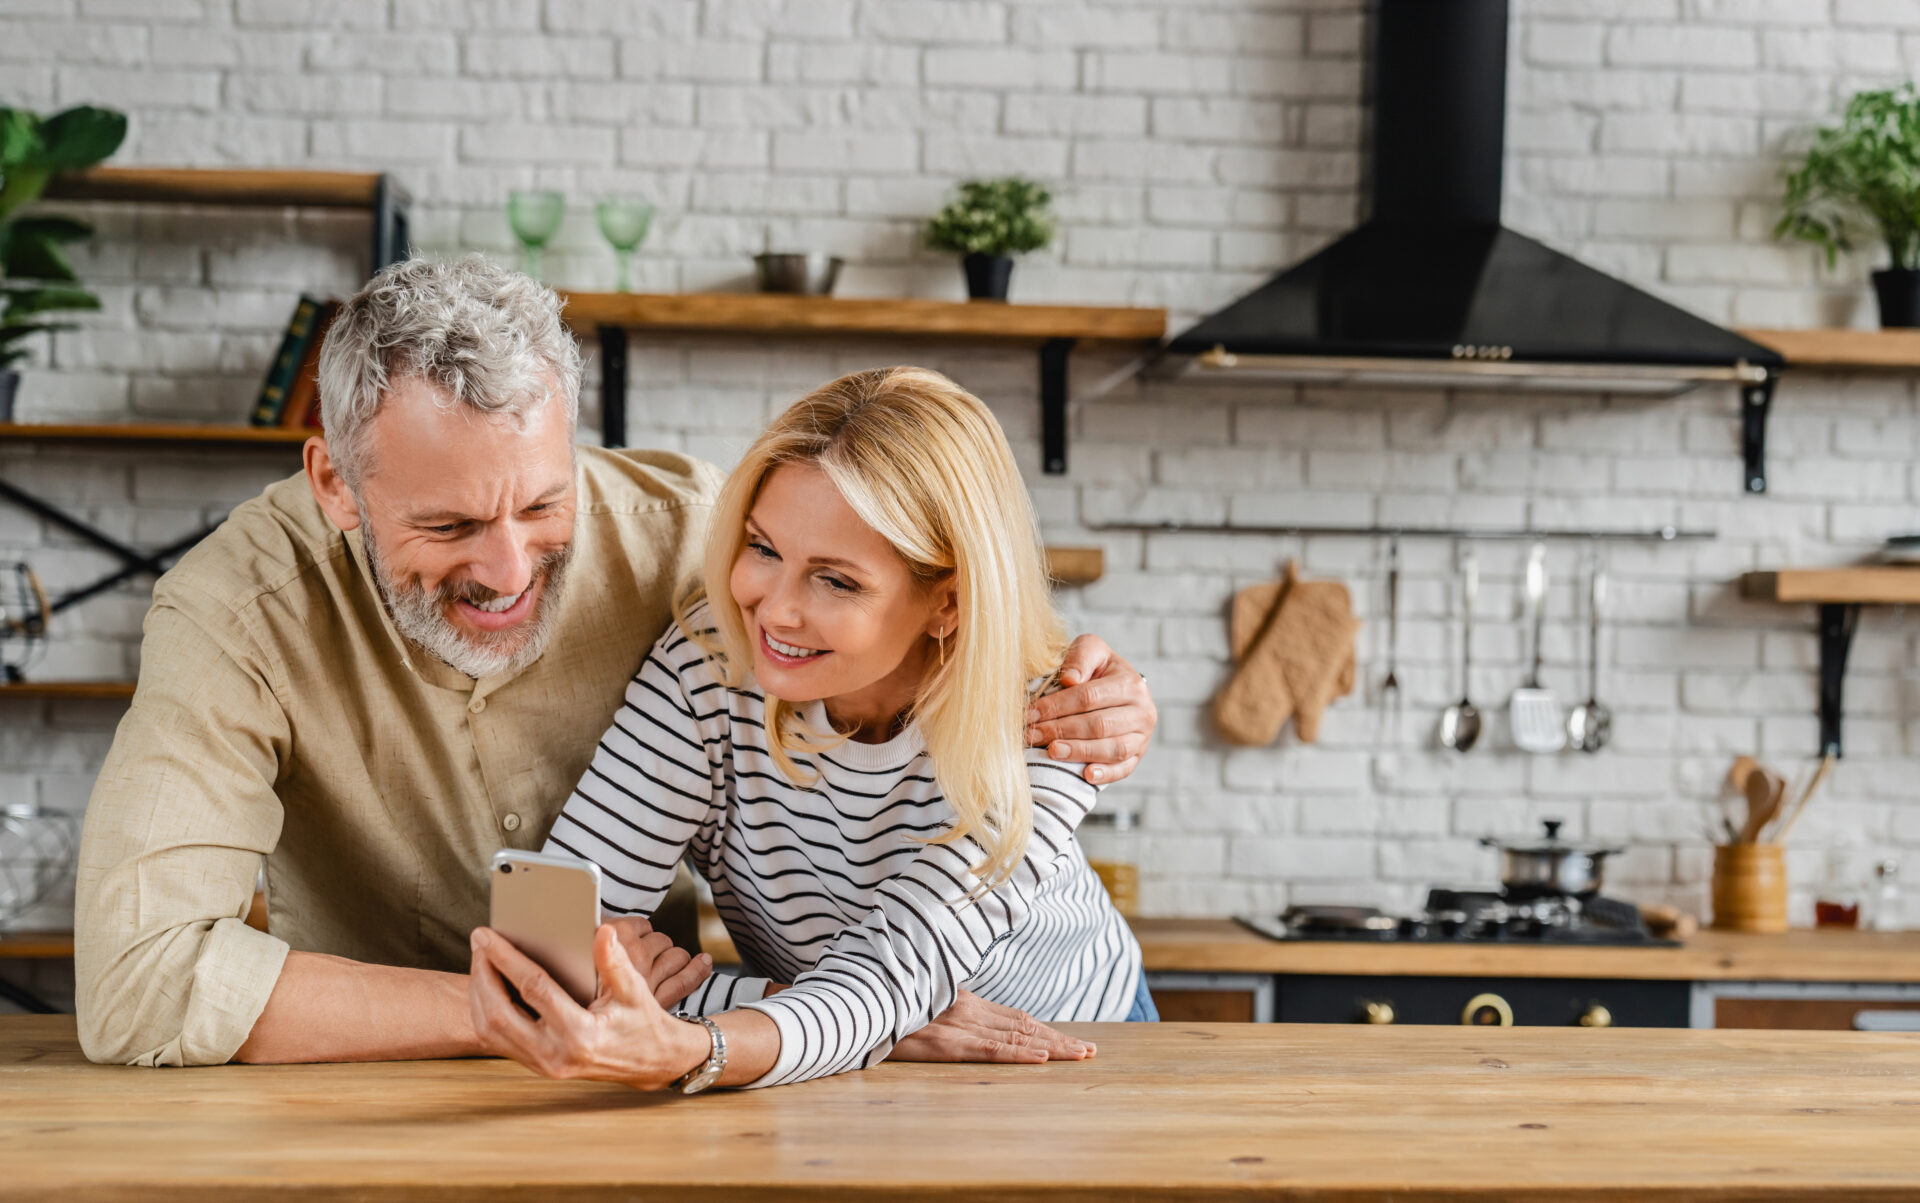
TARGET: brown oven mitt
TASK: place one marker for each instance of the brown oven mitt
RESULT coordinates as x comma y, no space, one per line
1294,641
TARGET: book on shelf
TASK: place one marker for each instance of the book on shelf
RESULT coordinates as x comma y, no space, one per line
281,372
302,407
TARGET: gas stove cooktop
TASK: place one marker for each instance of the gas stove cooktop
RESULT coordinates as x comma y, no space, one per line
1468,917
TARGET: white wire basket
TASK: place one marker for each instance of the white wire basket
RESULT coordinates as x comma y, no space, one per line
37,851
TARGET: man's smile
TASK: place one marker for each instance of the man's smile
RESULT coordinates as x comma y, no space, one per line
501,612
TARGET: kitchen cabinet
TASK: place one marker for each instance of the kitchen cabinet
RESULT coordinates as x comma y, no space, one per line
1483,1002
1802,1014
1212,997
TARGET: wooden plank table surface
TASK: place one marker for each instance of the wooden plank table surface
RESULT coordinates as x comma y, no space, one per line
1165,1111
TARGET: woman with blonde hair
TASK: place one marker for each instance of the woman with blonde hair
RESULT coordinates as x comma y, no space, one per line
833,735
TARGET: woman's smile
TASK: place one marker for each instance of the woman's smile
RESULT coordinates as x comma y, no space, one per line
789,654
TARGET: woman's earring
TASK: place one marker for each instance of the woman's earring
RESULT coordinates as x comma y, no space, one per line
940,639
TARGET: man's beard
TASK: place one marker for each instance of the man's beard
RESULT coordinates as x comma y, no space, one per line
422,619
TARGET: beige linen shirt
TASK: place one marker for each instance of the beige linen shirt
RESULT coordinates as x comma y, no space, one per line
280,716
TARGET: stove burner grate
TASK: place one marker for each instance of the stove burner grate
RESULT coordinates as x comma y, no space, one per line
1468,917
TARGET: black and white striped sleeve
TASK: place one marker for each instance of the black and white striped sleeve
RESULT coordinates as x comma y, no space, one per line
887,975
652,789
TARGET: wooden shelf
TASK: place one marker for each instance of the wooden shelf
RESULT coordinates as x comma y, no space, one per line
154,432
772,313
1076,565
197,186
1869,585
36,946
1878,349
110,690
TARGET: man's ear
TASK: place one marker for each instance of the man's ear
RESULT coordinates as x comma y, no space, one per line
335,498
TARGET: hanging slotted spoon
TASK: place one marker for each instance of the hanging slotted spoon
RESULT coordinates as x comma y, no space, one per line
1532,713
1460,722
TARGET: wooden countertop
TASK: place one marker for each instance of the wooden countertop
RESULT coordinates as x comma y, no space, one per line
1801,955
1223,946
1166,1111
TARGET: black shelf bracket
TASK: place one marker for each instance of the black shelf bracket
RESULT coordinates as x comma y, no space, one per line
392,229
1053,405
613,386
26,999
1838,621
1756,403
133,561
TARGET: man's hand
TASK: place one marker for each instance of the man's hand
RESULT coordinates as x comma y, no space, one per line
624,1036
1103,718
670,970
973,1029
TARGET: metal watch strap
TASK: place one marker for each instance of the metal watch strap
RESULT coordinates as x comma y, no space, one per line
707,1072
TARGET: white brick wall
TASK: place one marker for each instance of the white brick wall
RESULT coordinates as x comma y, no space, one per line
1194,147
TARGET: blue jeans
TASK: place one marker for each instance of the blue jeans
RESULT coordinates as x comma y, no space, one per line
1143,1009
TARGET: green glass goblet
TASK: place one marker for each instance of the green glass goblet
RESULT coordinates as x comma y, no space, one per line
624,223
535,218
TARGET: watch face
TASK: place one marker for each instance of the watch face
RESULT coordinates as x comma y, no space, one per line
707,1076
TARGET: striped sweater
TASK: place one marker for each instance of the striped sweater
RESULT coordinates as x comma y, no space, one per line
832,887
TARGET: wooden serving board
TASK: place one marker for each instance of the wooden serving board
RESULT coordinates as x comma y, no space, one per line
1164,1112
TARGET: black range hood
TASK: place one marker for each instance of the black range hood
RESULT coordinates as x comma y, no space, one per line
1433,290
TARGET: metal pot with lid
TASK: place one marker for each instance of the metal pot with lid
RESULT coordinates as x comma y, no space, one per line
1550,868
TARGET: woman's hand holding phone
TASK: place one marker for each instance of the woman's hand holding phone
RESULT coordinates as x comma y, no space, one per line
625,1036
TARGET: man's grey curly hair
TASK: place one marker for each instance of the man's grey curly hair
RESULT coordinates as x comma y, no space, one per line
487,337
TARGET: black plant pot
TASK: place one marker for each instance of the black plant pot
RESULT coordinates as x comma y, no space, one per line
1899,291
988,276
9,388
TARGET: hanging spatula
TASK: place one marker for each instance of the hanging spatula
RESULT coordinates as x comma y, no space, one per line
1533,714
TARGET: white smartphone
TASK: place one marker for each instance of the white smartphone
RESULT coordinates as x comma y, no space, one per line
549,906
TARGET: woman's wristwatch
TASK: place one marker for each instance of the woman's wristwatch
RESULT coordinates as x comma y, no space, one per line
707,1072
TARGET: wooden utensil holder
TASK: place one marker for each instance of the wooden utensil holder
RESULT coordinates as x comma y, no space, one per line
1749,888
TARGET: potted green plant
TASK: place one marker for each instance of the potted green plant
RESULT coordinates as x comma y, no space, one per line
987,225
35,277
1864,174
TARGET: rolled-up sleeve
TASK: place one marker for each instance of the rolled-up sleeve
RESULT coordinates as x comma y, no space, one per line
182,815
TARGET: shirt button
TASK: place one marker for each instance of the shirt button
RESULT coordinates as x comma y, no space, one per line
476,705
511,822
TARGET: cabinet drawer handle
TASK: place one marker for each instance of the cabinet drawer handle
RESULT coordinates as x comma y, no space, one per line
1487,1010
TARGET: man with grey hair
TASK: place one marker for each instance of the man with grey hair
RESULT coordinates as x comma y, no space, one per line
386,667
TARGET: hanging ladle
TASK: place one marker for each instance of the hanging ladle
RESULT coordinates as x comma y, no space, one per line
1460,722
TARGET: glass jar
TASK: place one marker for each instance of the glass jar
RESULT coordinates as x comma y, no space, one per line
1111,838
1889,907
1837,901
